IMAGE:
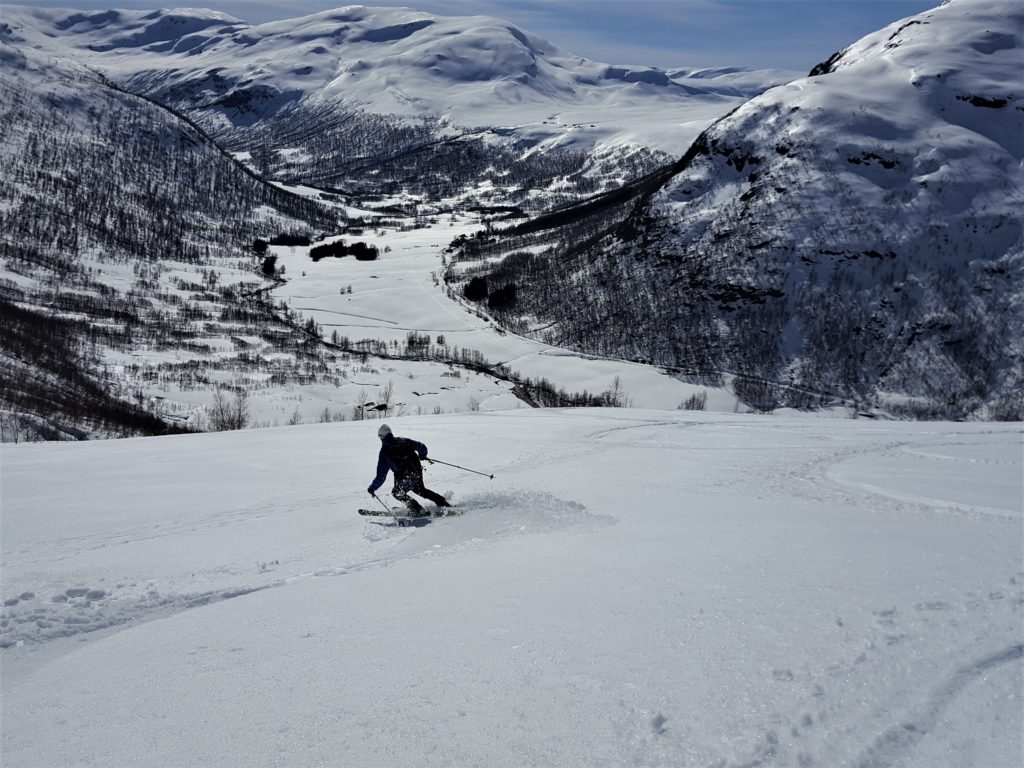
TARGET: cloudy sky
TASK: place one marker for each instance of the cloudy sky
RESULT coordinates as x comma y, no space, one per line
791,34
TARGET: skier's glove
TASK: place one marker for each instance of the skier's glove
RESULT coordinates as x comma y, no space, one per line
370,491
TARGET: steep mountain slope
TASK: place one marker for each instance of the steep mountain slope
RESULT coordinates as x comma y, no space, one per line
358,95
857,233
125,229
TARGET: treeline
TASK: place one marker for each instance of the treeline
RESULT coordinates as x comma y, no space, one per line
539,393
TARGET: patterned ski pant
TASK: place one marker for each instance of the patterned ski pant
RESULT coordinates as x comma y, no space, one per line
413,483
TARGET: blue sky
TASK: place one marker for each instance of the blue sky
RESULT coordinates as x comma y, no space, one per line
791,34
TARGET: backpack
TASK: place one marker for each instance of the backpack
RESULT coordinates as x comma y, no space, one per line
403,453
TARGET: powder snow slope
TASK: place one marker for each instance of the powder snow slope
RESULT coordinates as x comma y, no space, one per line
635,587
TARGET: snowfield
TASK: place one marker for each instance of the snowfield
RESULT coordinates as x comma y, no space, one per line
402,292
635,587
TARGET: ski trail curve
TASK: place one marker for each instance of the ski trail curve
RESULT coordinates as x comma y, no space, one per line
903,737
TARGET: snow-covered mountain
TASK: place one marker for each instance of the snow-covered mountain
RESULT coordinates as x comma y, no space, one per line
130,286
130,290
472,71
304,98
856,233
851,237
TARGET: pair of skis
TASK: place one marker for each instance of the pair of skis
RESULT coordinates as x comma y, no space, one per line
402,518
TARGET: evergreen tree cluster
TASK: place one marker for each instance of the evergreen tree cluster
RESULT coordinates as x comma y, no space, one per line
339,249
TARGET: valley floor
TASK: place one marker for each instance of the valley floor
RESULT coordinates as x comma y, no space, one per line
635,587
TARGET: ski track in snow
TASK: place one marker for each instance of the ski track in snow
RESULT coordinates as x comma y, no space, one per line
876,695
63,548
881,648
821,478
824,476
40,614
899,739
32,618
928,452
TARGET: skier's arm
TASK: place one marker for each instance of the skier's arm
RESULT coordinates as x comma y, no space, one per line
421,449
383,465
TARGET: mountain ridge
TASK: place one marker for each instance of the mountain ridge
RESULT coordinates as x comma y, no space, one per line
473,71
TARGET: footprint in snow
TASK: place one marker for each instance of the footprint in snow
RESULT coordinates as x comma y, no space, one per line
658,727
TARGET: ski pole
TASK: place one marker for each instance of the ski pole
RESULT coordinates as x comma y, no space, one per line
386,507
391,513
466,469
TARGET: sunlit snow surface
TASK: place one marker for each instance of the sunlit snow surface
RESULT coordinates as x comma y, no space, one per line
469,70
634,587
403,292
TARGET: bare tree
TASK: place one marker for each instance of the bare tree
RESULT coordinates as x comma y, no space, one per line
695,402
220,411
615,396
10,428
226,414
241,409
359,408
385,399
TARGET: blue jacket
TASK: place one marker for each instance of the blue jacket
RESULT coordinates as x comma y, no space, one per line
386,463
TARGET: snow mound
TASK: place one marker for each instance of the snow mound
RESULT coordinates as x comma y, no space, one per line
853,235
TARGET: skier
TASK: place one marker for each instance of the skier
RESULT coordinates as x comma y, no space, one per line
402,456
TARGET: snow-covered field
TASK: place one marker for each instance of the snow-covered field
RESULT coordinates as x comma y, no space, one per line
402,292
634,587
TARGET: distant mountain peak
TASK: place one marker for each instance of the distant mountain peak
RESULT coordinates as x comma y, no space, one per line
466,70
